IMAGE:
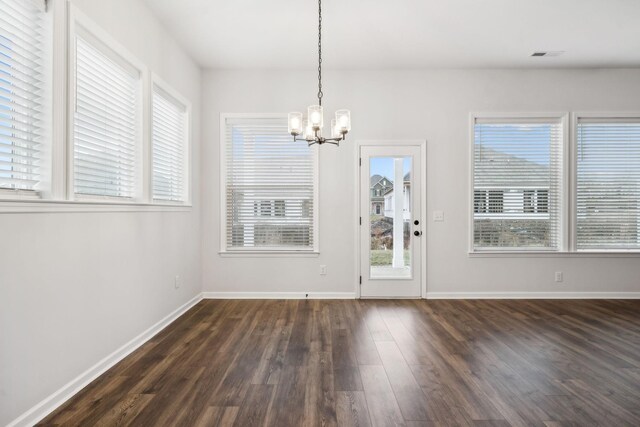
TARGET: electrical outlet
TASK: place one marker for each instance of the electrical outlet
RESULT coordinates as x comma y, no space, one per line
323,270
177,282
438,216
559,277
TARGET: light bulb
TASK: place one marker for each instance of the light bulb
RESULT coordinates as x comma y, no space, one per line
335,129
295,122
307,129
343,118
315,116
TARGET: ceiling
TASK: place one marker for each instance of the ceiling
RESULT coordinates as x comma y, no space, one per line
389,34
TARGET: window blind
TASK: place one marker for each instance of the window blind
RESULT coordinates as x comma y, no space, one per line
608,184
168,147
106,122
270,186
517,182
23,30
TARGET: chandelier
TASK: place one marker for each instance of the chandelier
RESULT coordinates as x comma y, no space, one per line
311,127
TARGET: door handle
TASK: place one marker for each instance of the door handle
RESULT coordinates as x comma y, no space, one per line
417,233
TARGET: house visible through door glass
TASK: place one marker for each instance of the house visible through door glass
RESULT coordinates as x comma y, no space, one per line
390,214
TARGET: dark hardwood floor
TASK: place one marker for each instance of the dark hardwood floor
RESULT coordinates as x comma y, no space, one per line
377,362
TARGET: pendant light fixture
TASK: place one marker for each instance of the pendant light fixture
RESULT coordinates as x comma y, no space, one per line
311,127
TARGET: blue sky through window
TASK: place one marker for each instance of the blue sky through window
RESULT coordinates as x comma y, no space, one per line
528,136
383,166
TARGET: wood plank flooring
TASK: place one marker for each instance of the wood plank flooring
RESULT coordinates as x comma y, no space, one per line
377,363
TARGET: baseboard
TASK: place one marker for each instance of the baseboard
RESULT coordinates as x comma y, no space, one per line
430,295
49,404
279,295
533,295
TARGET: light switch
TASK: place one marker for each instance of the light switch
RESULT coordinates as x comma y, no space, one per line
438,216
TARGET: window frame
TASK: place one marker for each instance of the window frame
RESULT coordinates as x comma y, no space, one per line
46,171
255,252
569,189
60,195
170,92
564,225
81,26
575,116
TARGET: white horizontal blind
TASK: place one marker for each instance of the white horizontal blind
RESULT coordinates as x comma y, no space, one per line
517,181
168,147
23,30
270,183
106,124
608,184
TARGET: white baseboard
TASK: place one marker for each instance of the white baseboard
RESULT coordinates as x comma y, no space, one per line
279,295
49,404
533,295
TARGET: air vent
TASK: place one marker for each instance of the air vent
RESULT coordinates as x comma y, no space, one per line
548,53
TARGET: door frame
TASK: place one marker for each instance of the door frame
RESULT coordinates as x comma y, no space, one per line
422,144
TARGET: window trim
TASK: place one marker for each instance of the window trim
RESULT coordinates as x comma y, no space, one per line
569,188
564,226
82,26
573,200
46,178
64,15
222,166
157,81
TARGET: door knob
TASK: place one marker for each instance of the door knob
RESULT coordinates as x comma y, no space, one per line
417,233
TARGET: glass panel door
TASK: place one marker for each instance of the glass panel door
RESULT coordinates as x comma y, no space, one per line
391,223
390,215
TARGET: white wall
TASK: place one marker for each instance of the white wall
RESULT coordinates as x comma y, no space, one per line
74,287
432,105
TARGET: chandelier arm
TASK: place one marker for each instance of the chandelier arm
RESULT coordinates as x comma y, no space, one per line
316,139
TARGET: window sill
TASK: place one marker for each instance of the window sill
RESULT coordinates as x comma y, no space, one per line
61,206
534,254
269,254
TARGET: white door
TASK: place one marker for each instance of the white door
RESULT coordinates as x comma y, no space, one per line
391,221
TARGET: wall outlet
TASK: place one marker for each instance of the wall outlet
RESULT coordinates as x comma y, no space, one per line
323,270
177,282
438,216
559,277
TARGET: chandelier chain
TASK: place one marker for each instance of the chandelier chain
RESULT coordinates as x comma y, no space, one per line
320,52
311,128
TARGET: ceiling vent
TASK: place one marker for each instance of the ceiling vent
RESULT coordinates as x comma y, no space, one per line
548,53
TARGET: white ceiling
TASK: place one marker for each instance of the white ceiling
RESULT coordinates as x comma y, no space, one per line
405,33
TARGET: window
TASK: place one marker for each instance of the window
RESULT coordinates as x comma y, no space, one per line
536,201
496,201
169,147
517,181
480,201
608,183
110,152
24,110
280,208
269,185
106,121
488,201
